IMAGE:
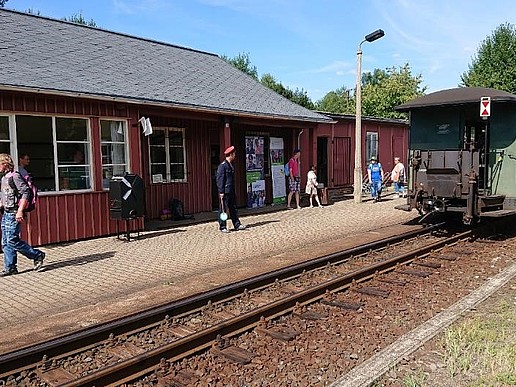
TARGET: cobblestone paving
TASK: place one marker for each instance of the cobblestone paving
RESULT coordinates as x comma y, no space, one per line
87,272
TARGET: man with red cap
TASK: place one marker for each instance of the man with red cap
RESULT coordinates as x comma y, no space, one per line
226,189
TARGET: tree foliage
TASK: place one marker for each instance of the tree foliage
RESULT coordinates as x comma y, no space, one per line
337,101
383,90
243,63
297,96
78,18
495,63
2,2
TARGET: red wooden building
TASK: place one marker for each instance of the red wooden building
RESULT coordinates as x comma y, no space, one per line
331,146
77,100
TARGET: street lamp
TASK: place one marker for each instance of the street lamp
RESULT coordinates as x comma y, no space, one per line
357,182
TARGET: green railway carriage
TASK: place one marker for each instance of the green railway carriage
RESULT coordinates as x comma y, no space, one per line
462,153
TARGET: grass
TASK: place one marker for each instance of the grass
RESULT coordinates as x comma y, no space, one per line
481,351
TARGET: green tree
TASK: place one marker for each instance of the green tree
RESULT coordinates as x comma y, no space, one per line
337,101
495,63
78,18
382,90
243,63
2,2
297,96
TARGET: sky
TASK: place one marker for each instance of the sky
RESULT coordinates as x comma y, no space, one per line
307,44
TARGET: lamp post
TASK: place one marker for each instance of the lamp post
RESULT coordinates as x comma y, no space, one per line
357,182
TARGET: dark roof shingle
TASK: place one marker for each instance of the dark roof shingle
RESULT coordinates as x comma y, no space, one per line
56,56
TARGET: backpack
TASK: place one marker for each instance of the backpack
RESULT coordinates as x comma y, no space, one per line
33,191
287,170
177,209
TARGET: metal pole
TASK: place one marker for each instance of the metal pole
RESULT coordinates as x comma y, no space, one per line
357,182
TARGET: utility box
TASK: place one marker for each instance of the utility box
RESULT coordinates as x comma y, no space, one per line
126,197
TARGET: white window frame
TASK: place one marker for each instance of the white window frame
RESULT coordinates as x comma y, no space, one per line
88,156
371,145
10,124
168,179
125,143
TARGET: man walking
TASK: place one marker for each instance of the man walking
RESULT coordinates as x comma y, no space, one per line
13,199
375,175
398,177
227,193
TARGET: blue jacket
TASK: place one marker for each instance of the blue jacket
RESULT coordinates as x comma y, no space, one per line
225,178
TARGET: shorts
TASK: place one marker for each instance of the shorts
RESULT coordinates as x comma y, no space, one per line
294,185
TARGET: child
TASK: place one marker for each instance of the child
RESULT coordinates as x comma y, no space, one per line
311,186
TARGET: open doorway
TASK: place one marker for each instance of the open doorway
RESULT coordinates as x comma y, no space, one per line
322,160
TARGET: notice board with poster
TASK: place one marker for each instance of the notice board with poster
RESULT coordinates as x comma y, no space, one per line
277,156
255,173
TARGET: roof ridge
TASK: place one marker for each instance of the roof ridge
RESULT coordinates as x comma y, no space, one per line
106,31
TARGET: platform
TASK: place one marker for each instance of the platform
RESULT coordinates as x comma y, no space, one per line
87,282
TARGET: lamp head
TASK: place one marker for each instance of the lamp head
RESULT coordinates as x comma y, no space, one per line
374,35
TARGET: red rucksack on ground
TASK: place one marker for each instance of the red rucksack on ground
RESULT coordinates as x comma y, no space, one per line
33,191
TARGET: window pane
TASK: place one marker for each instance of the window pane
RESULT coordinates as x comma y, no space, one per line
5,148
34,137
76,177
176,155
175,138
157,154
177,172
71,129
72,154
157,138
159,169
109,171
4,128
112,131
113,153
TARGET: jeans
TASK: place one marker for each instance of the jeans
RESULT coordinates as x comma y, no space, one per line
11,242
399,187
376,188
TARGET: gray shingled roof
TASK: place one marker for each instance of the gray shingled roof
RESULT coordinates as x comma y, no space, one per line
457,96
60,57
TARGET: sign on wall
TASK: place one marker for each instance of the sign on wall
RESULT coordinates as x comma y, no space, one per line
277,155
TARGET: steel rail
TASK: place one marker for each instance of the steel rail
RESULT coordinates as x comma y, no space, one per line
31,356
130,369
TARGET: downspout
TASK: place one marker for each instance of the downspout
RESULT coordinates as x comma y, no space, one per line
299,147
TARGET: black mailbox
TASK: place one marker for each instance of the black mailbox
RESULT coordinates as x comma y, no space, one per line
126,197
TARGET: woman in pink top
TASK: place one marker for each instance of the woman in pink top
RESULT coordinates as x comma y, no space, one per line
294,179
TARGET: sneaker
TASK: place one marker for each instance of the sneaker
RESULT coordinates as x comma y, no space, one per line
38,262
240,227
10,272
311,206
224,230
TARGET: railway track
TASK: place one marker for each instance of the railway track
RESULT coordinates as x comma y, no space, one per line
138,345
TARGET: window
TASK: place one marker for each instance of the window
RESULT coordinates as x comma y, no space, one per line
113,142
59,149
5,138
167,155
371,145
